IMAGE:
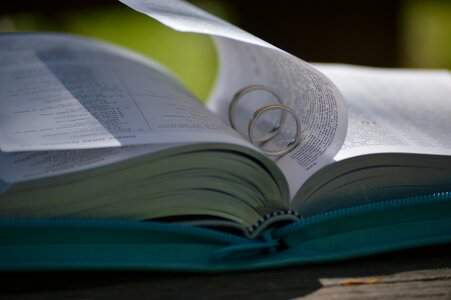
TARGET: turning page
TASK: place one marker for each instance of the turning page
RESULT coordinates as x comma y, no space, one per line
246,60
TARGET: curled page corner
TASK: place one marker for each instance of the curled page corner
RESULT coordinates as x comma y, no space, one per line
185,17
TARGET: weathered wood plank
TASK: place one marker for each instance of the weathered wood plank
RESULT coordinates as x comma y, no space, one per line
415,274
417,289
422,284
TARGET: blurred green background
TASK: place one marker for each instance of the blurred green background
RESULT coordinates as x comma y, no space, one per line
410,33
427,34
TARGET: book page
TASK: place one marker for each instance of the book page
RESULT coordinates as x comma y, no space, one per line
22,166
246,60
59,92
400,111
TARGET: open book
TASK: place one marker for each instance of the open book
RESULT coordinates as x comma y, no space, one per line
90,130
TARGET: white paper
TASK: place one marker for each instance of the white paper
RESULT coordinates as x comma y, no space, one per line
404,111
245,60
23,166
60,92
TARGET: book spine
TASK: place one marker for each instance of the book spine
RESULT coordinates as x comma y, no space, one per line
272,219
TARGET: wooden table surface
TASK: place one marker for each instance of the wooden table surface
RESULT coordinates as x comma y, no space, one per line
423,273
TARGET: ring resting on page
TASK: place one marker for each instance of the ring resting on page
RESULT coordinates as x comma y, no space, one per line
258,113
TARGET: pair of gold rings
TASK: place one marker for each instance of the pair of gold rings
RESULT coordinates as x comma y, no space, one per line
258,113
